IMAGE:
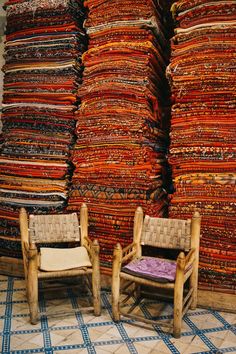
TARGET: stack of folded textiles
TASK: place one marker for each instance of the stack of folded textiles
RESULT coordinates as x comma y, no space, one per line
121,144
44,44
203,131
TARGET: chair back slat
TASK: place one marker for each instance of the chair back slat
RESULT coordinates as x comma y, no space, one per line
54,228
166,233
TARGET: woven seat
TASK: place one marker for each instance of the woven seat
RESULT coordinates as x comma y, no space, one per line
176,278
41,263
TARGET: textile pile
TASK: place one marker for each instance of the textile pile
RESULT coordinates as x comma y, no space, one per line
119,155
203,135
44,44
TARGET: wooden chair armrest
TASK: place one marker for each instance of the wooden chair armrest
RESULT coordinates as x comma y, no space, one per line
24,226
92,247
88,241
128,252
128,247
180,263
25,247
189,258
32,251
121,256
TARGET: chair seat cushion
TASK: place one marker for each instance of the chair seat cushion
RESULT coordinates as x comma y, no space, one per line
157,269
57,259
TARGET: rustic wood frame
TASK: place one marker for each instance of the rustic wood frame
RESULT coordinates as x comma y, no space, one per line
187,268
33,273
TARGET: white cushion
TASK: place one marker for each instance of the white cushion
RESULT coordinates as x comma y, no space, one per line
56,259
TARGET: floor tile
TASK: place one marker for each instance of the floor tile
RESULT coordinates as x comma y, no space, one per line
26,341
194,349
205,321
160,348
229,340
21,308
1,324
142,349
64,337
16,342
23,324
148,343
3,295
109,348
133,330
122,349
229,317
71,351
110,333
73,332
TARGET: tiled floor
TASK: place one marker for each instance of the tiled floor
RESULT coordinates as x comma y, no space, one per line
204,331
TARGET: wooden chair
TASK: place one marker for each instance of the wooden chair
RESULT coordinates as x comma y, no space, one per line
41,263
132,272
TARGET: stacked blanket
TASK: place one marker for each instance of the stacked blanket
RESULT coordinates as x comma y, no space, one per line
119,156
203,131
44,44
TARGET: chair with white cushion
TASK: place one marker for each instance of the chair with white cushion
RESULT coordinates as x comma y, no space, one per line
42,263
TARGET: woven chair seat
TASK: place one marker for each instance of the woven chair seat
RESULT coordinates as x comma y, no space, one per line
57,259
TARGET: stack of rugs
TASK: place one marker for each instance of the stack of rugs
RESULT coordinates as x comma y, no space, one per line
203,132
44,44
119,155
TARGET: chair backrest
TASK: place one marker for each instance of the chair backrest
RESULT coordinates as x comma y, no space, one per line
166,233
54,228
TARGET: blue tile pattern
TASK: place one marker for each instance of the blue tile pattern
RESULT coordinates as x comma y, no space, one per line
204,331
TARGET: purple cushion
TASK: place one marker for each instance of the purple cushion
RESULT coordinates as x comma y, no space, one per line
157,269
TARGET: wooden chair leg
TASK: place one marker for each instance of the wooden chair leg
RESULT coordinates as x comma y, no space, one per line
196,225
194,286
26,289
178,304
137,290
193,282
32,290
96,294
178,296
96,282
116,282
115,300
